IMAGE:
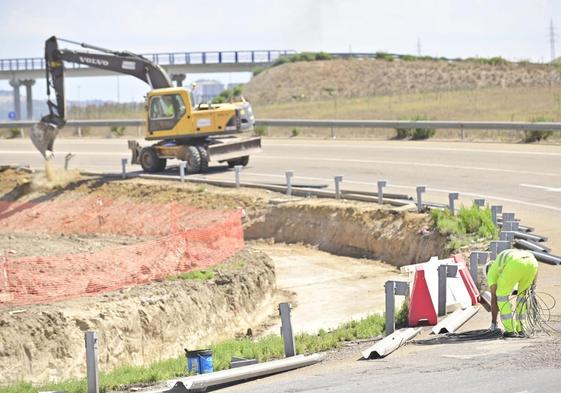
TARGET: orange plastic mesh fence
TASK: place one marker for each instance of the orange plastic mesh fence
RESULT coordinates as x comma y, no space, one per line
187,238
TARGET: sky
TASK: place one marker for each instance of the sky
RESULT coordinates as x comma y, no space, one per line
514,29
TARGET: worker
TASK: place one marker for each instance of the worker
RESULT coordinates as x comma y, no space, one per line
510,268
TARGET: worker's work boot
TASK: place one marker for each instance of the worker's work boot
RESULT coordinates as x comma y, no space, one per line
510,335
523,335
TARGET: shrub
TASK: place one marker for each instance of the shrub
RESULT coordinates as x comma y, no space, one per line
281,60
402,133
536,136
323,56
295,132
261,130
408,58
423,133
383,56
118,130
415,133
14,133
258,70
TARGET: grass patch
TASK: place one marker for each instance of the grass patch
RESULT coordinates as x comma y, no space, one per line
536,136
468,224
263,349
198,275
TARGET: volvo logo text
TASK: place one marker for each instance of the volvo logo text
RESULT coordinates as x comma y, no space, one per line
89,60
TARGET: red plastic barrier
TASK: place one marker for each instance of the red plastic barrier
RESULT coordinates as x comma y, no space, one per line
420,306
467,279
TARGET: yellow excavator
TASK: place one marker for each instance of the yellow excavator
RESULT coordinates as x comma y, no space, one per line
196,134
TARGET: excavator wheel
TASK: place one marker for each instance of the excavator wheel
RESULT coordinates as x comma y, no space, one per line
192,158
243,161
150,161
204,159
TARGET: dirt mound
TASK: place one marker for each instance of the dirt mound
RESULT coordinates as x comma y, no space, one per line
323,80
352,229
137,325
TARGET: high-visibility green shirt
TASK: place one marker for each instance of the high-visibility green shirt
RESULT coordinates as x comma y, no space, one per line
519,257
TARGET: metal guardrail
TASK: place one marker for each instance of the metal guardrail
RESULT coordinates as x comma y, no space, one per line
406,124
174,58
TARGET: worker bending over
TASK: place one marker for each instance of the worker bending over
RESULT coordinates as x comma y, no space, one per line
511,267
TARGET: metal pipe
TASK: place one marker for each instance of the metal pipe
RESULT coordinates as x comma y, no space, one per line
203,381
528,236
552,259
530,245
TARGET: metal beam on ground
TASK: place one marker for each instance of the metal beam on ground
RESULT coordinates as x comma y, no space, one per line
390,343
204,381
455,320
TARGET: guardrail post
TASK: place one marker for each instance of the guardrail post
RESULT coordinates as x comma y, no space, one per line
495,210
390,307
138,133
393,288
444,271
124,168
238,169
182,166
21,133
479,203
92,362
476,258
420,190
508,217
381,185
451,198
462,132
286,330
497,246
506,236
289,175
338,180
510,226
79,131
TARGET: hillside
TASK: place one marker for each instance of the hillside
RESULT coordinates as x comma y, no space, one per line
323,80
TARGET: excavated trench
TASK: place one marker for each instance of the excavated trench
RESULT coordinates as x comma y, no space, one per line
145,323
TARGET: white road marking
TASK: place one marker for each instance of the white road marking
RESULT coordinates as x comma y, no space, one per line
410,164
385,147
546,188
87,153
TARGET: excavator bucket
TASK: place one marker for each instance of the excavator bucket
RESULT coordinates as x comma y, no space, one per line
43,136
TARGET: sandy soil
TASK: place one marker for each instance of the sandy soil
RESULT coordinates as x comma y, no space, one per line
328,289
21,245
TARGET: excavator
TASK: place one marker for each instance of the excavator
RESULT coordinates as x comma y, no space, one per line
195,134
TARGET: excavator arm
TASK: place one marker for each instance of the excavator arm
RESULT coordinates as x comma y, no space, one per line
44,133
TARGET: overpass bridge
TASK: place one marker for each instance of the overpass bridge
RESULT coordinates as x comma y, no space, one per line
24,71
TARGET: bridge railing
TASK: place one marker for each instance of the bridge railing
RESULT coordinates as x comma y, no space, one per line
172,58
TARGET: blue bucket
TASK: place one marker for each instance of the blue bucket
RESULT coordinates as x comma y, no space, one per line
199,361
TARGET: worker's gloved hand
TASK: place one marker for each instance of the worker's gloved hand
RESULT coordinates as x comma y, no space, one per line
493,326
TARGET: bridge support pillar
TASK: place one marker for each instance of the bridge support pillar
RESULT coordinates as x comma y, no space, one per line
28,83
17,98
178,79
